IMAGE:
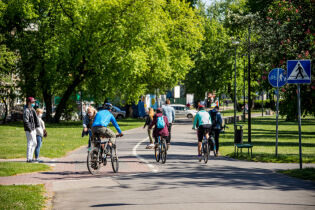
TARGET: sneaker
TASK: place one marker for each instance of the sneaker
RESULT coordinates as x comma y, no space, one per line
150,146
199,158
29,161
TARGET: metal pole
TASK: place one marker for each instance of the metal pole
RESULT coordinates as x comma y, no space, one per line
299,119
262,97
235,93
249,91
244,89
277,115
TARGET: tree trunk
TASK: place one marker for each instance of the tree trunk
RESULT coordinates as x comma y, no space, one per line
65,97
48,103
6,111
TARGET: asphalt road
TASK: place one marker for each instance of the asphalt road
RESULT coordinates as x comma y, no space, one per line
183,182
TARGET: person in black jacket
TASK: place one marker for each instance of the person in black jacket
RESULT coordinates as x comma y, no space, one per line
30,124
148,121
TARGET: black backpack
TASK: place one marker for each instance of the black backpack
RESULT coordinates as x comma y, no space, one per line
213,115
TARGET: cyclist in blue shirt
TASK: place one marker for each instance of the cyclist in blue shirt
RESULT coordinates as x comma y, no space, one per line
203,123
102,120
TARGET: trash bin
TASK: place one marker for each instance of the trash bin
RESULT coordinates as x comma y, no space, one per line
238,134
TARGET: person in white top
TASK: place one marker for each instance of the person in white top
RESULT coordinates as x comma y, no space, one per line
40,133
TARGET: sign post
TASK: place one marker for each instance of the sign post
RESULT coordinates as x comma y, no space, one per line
299,72
277,78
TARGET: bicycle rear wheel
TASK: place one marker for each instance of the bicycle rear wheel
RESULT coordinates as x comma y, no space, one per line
157,153
163,151
93,163
205,150
114,159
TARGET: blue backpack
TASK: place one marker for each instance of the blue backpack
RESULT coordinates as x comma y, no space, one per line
160,122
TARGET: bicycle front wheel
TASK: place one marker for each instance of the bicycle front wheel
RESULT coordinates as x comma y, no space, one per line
205,149
114,159
93,163
163,151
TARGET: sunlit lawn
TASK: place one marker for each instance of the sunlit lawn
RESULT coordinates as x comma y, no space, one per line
13,168
22,197
264,138
62,138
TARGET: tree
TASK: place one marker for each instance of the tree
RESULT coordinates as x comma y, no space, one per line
107,48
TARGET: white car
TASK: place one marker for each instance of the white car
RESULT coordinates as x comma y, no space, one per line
182,111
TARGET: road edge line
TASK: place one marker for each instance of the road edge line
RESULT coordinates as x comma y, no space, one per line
134,152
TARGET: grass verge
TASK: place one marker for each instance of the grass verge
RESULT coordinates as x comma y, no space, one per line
13,168
264,138
22,197
62,138
305,173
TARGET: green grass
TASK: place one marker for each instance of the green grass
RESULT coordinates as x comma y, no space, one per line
13,168
22,197
62,138
305,173
264,138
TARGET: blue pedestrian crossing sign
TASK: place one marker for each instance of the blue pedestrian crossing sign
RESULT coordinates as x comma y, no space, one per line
277,77
299,71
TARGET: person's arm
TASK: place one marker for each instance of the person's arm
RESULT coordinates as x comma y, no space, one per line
114,122
166,121
26,120
173,114
153,122
195,121
36,121
220,120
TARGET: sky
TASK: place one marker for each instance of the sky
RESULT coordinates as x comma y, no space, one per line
208,2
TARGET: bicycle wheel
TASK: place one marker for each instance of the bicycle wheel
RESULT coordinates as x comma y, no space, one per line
205,151
114,158
157,153
163,151
93,163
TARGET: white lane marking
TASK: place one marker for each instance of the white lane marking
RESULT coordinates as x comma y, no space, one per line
134,152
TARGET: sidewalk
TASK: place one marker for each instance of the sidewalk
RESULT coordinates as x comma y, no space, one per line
73,166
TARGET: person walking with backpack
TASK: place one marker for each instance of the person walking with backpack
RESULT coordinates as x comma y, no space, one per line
161,126
30,124
169,112
216,126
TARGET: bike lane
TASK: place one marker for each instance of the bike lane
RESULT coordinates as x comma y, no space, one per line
185,183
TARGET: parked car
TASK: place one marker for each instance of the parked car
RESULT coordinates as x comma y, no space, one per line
118,113
182,111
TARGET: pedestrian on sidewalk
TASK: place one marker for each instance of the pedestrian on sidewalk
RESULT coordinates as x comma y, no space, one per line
87,123
40,133
169,112
30,121
148,121
159,129
216,125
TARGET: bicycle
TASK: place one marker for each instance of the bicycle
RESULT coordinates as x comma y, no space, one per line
208,145
161,151
98,156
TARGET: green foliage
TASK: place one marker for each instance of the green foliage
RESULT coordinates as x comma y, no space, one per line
22,197
286,32
106,48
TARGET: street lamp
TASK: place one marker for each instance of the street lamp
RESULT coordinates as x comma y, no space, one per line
235,43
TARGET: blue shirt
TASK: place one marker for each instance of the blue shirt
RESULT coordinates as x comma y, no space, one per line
103,118
169,112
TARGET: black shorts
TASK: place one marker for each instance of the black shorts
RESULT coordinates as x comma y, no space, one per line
202,130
